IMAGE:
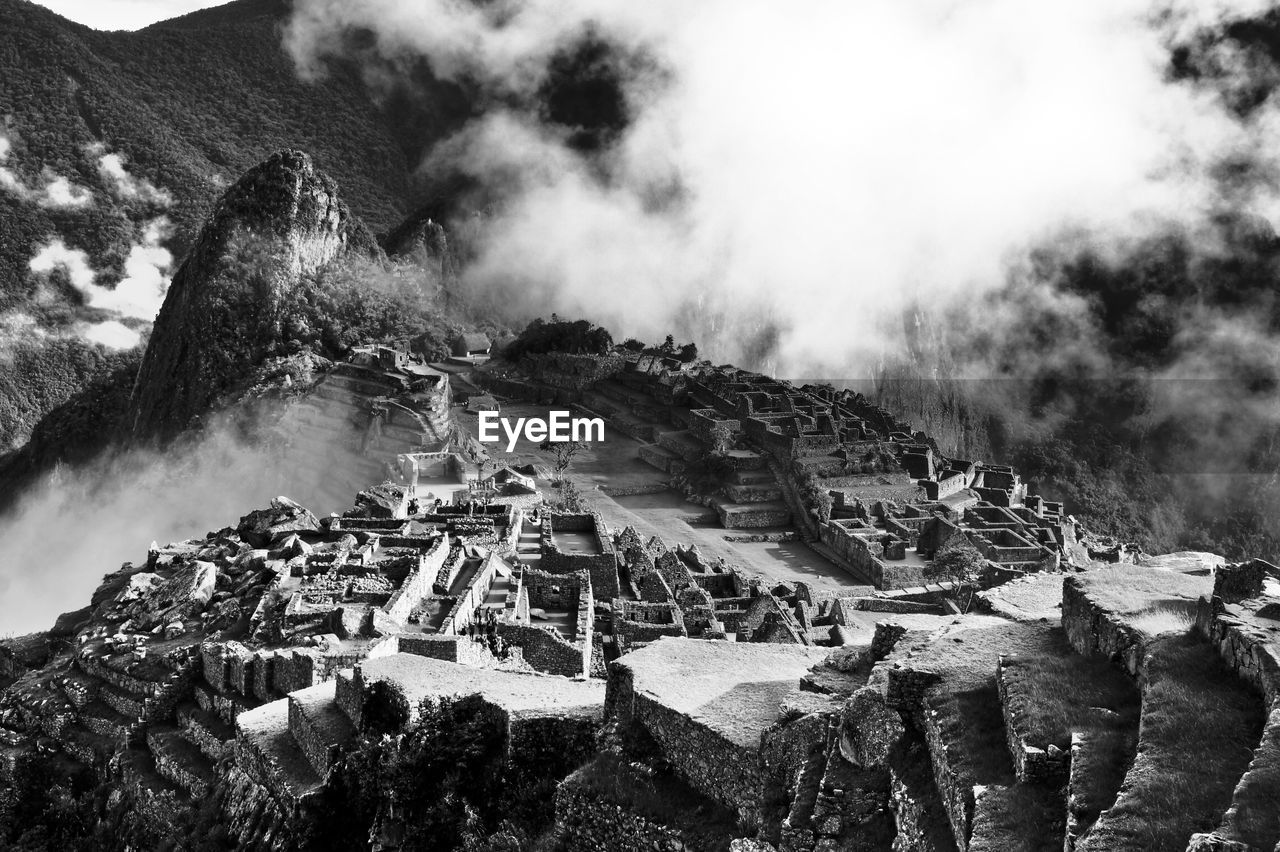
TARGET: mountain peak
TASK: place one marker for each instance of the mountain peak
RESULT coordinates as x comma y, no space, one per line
282,221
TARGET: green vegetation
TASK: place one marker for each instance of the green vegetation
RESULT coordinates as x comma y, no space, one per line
706,474
567,498
816,497
44,809
1054,693
686,353
1131,590
959,562
191,105
74,430
1200,724
578,337
444,783
45,376
563,453
657,796
360,301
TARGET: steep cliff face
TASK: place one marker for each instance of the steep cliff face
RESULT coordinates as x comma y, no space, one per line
224,311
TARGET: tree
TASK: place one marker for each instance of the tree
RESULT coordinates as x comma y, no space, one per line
706,474
817,499
577,337
569,499
961,563
564,453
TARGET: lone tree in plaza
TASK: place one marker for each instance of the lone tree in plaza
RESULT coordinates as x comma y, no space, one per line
960,562
564,453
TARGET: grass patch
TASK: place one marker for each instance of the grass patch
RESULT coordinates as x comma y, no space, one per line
1199,727
1164,618
1098,770
1134,590
1052,694
1023,818
967,700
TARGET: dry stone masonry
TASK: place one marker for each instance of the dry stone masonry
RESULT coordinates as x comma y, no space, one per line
692,702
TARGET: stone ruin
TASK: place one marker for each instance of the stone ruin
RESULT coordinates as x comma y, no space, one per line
780,715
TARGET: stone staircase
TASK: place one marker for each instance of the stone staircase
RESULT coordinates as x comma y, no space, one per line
529,546
206,731
661,458
99,702
289,745
180,761
267,751
753,486
319,725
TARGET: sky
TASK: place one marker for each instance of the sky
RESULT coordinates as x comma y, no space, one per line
124,14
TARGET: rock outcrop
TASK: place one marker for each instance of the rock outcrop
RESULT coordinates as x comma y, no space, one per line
282,221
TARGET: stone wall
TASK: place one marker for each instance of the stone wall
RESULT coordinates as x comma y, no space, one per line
1087,798
919,818
545,650
957,799
748,516
1250,653
840,607
630,634
464,608
254,819
571,738
454,649
602,566
1093,630
852,548
23,653
1031,763
711,764
944,487
704,421
661,458
418,584
1240,581
572,372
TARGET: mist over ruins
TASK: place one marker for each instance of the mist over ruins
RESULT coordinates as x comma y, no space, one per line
729,426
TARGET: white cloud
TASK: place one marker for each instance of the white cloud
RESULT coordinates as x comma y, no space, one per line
56,255
62,193
837,161
138,295
112,168
53,191
111,334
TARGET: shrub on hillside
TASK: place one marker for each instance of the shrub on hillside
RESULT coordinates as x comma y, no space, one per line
577,337
816,498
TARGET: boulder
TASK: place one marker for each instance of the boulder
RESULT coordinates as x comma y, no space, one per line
262,527
869,729
138,586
